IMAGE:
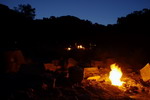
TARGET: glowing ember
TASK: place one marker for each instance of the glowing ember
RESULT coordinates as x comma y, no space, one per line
115,75
97,78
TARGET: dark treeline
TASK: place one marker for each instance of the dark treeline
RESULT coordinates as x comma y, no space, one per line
40,36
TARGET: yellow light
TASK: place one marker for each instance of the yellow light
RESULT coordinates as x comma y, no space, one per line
97,78
68,48
80,47
115,75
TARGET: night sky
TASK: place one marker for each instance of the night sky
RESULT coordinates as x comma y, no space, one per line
97,11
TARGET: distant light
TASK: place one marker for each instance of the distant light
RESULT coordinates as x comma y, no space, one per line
80,47
69,48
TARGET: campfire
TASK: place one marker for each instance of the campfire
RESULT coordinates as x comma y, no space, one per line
115,75
117,84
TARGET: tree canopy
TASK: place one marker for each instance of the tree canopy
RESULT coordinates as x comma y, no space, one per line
26,10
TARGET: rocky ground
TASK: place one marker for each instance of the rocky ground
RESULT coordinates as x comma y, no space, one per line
49,87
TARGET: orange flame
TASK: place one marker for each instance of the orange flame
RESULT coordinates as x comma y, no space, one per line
115,75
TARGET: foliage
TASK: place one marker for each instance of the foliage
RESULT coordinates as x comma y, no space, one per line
26,10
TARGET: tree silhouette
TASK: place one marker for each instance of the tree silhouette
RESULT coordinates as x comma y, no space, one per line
137,17
136,22
26,10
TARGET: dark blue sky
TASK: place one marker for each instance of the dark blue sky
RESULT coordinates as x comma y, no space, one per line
97,11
